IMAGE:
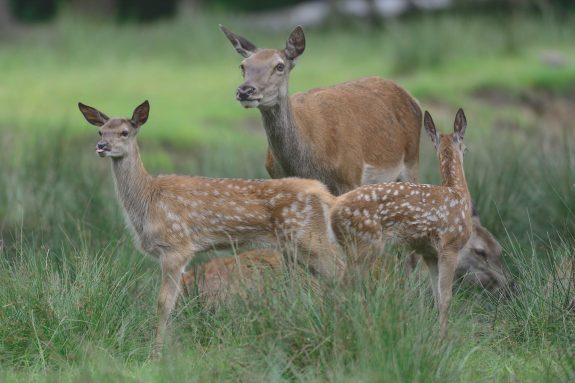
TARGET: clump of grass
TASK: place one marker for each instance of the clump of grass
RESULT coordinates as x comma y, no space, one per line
59,303
541,309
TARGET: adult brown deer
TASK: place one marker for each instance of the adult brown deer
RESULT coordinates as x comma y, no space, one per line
175,217
361,132
433,220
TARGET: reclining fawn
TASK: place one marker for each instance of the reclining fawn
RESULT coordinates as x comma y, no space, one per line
223,277
433,220
174,217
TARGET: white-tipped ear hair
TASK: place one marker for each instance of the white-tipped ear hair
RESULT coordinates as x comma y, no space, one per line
430,129
242,45
93,115
459,125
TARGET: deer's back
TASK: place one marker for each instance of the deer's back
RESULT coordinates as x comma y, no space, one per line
369,119
200,213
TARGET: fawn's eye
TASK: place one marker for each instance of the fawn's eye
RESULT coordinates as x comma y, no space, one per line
100,133
280,67
125,133
242,69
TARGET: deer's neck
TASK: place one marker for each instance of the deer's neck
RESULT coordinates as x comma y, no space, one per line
289,147
133,187
452,174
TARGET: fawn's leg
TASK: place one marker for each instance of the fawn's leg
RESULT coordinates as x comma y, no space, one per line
172,269
446,264
431,263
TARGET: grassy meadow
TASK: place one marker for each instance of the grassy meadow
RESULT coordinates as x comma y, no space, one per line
77,301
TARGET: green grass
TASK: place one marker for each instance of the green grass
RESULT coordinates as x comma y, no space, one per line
77,301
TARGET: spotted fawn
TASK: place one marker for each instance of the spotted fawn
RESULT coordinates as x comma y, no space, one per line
433,220
174,217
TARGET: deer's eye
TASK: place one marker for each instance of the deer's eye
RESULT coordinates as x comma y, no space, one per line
242,69
100,133
125,133
280,67
481,253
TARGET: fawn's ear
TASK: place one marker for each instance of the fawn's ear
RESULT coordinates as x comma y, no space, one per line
242,45
140,115
295,44
430,129
92,115
459,125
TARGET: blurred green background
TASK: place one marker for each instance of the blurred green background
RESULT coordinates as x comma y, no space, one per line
77,300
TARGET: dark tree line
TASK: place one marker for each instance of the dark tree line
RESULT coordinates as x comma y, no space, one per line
29,11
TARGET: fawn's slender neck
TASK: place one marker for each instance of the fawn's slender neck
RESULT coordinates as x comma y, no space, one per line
452,174
289,148
132,186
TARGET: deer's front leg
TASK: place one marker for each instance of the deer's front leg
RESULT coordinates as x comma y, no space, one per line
447,263
173,265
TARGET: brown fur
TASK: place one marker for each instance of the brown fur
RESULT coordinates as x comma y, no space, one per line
220,278
175,217
434,220
367,121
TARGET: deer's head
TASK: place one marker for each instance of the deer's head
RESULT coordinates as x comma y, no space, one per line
447,143
480,261
265,71
117,135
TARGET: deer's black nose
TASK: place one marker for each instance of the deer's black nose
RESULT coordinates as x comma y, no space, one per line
101,145
244,92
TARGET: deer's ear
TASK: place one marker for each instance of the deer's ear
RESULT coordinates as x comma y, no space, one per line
242,45
93,115
430,129
459,125
141,113
295,44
